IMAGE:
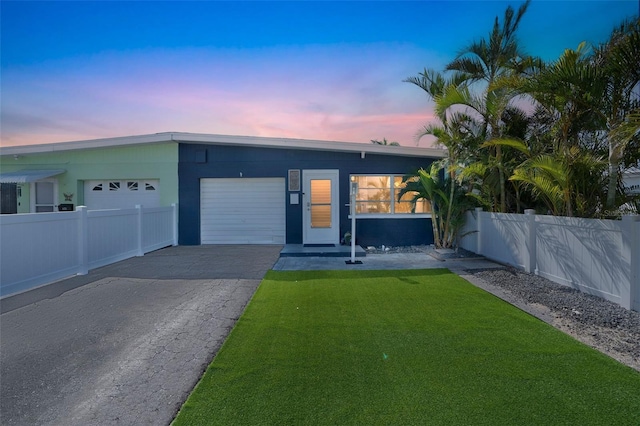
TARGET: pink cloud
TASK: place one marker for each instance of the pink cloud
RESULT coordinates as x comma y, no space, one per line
351,93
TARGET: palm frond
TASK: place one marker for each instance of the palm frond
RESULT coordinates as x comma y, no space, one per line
512,143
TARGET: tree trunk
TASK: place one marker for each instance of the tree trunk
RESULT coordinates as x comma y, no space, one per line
613,176
447,238
503,196
436,225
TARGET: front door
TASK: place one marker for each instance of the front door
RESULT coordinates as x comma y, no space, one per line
321,220
44,196
8,198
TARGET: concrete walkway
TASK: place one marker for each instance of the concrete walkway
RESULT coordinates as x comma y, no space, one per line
126,344
382,261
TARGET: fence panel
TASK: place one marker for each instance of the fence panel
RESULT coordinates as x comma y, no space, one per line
157,228
600,257
469,232
36,249
636,277
503,237
113,236
39,248
582,253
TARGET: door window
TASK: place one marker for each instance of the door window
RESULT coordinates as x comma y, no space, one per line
44,197
320,203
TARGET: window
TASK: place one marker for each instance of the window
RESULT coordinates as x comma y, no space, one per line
114,186
320,203
149,187
378,194
98,187
132,185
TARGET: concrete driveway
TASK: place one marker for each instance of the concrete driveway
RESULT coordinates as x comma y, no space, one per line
125,344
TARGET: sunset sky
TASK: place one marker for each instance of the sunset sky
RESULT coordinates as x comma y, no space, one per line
314,70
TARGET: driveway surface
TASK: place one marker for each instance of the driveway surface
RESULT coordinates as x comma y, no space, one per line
125,344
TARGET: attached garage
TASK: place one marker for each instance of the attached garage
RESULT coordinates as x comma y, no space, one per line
121,194
242,211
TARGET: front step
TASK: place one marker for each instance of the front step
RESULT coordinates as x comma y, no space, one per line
299,250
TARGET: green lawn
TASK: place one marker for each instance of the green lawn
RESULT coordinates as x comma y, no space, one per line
409,347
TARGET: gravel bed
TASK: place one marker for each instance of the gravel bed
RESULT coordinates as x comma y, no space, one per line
601,324
398,249
440,255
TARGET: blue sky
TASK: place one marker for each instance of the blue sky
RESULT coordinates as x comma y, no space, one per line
315,70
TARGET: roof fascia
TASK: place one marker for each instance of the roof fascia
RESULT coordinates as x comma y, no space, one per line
318,145
252,141
85,144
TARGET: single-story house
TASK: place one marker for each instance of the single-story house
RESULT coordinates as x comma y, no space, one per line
229,189
631,181
100,174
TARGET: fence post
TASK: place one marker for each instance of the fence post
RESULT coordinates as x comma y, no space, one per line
630,248
175,223
530,262
83,240
478,231
140,251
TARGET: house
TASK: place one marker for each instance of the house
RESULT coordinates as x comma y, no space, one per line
631,181
229,189
100,174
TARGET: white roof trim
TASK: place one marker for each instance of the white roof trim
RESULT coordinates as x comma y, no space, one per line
319,145
84,144
26,176
254,141
631,171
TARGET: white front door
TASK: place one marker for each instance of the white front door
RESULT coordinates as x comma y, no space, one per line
321,220
44,194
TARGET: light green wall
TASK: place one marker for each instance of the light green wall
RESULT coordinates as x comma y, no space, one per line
138,162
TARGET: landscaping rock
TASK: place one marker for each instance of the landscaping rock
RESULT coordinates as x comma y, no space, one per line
601,324
439,254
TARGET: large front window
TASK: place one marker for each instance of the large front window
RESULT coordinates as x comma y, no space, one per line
378,194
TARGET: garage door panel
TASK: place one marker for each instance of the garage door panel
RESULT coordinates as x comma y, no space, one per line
242,211
121,194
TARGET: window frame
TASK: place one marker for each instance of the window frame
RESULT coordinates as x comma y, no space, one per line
392,214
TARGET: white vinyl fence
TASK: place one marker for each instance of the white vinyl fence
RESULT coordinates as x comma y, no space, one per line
39,248
600,257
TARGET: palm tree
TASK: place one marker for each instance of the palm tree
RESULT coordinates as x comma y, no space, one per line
566,182
457,132
562,183
491,61
447,215
587,108
568,92
384,141
457,135
619,59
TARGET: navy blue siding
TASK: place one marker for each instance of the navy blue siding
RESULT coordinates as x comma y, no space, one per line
198,161
393,232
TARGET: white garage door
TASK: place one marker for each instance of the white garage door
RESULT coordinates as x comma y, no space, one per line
242,211
121,194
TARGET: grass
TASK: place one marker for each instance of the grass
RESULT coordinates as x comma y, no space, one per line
402,348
